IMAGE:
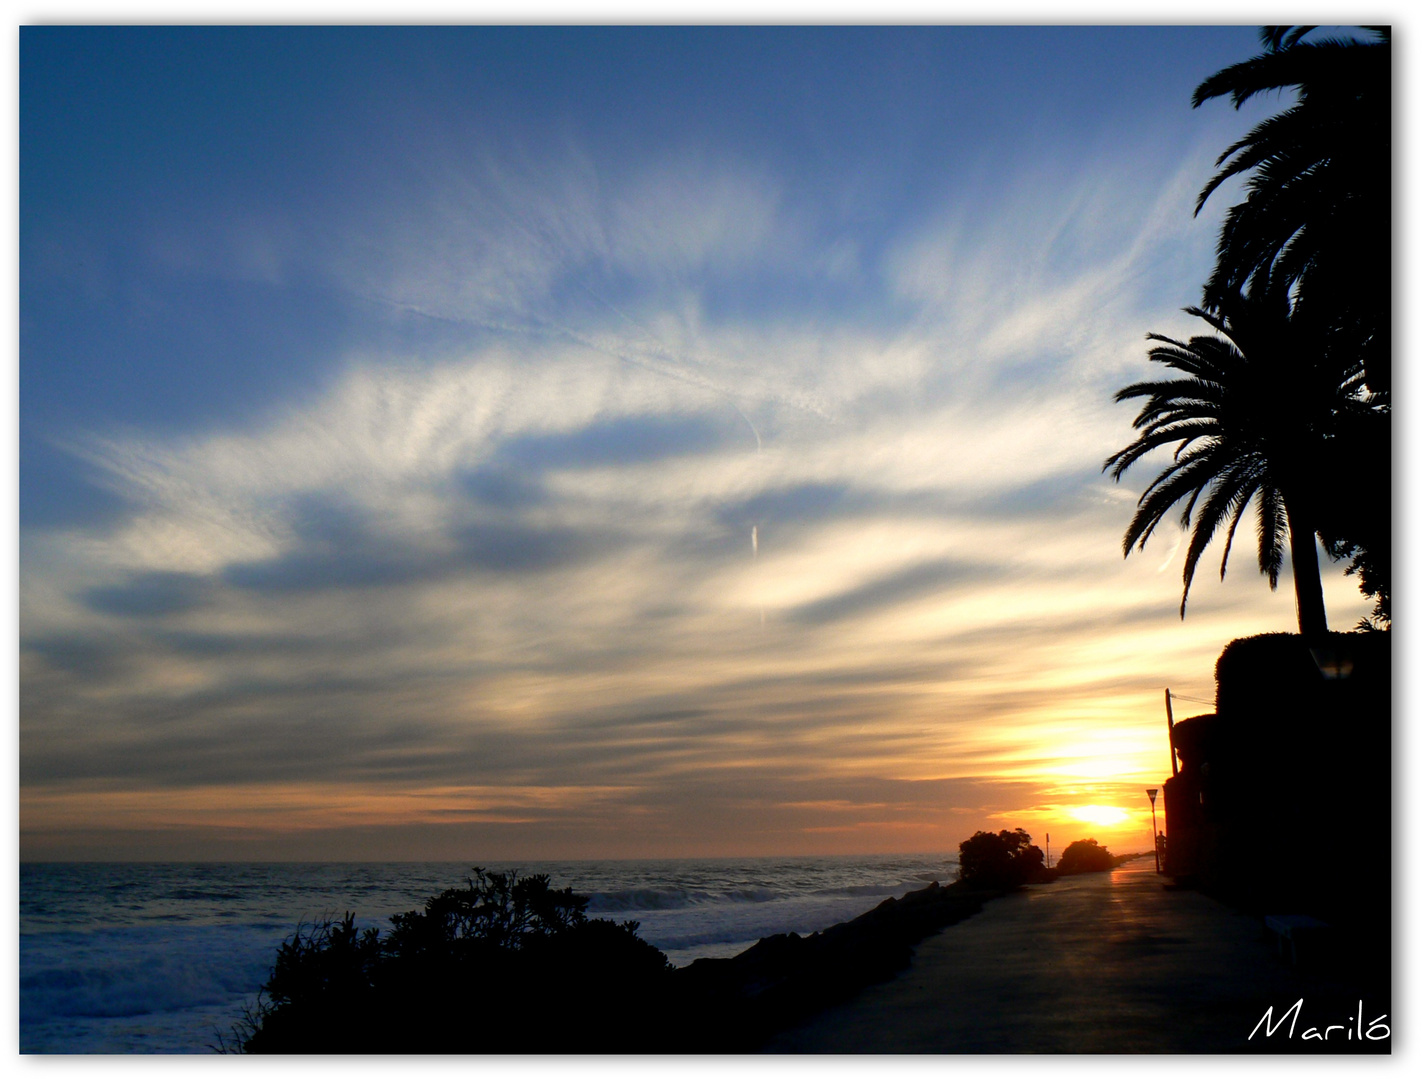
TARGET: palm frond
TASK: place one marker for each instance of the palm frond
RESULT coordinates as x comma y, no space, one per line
1178,481
1238,505
1249,417
1271,527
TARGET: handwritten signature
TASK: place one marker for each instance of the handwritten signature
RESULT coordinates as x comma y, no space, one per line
1376,1030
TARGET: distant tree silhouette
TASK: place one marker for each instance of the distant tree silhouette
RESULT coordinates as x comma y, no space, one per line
1316,216
1257,415
1000,860
1084,856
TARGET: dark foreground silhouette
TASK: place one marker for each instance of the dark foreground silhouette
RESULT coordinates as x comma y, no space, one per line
1001,860
1007,859
1084,857
1282,805
509,965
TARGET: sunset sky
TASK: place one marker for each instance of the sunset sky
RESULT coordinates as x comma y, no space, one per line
499,443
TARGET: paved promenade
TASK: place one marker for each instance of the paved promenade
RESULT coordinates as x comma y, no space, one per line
1096,963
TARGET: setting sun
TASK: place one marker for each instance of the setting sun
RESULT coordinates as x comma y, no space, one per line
1099,815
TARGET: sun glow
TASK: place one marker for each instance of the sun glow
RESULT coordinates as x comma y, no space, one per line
1099,815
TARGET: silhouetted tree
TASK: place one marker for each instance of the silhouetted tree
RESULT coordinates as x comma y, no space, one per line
1084,856
1315,223
1316,216
1000,860
1256,416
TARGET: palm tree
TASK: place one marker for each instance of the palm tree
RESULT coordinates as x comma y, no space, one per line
1316,216
1254,417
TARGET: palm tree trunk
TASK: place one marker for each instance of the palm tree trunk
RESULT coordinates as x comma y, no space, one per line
1309,589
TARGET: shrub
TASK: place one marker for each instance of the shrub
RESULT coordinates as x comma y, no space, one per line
1085,856
506,964
1000,860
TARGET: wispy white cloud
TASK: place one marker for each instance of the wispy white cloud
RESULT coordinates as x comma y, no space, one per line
498,238
523,564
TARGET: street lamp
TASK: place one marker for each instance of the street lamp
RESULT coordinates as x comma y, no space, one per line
1151,794
1333,663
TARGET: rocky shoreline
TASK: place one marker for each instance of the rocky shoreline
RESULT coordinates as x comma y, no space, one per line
735,1005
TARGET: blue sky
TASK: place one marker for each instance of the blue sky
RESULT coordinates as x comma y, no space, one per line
562,442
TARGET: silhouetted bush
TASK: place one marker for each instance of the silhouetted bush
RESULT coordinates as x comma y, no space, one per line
506,964
509,965
1085,856
1000,860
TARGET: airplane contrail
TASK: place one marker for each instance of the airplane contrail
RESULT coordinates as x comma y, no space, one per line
1172,553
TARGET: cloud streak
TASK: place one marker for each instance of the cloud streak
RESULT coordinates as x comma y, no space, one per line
494,586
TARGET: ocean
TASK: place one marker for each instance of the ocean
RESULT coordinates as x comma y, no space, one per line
162,958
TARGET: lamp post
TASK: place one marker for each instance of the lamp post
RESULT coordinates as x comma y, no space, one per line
1156,851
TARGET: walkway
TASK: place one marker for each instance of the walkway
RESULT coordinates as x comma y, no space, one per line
1097,963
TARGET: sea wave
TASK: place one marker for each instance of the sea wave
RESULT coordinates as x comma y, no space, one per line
127,973
677,898
898,889
201,895
642,900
